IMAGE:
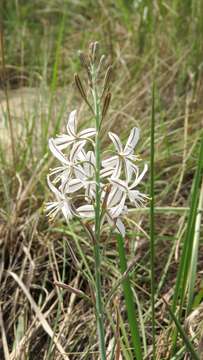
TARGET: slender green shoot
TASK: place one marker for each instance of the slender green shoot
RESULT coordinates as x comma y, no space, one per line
130,306
152,222
188,246
187,342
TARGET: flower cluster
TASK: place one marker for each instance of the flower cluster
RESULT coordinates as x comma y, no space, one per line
73,182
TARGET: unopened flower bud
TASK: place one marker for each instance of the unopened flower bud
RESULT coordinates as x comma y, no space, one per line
106,104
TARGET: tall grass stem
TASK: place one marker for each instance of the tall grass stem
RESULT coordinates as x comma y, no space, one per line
152,222
130,306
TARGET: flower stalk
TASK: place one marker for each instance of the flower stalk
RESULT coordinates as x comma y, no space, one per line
97,253
87,186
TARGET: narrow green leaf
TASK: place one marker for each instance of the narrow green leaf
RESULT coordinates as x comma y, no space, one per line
152,222
130,306
186,340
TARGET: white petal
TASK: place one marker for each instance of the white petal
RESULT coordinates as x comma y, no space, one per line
86,211
139,178
132,140
120,227
87,133
114,197
51,205
82,155
63,141
118,209
79,172
110,162
116,141
72,123
133,196
66,210
76,149
57,193
119,183
106,172
74,185
130,168
110,220
117,170
89,164
56,152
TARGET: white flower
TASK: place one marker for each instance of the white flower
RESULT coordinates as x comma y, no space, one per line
135,196
124,155
85,175
114,207
72,136
65,171
62,203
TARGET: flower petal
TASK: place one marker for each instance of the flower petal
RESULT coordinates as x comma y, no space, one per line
63,141
137,198
119,183
110,162
117,170
118,209
86,211
79,172
72,124
120,227
66,210
56,152
114,197
76,149
56,192
139,178
130,168
73,186
106,172
87,133
132,140
116,141
89,164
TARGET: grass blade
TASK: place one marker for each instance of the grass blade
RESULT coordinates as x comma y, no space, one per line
184,268
194,256
132,316
188,246
187,342
152,222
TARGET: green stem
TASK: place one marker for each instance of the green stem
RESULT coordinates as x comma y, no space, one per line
152,225
97,255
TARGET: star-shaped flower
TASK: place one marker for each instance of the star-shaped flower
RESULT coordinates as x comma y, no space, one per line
135,196
62,203
113,208
124,155
65,171
72,136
